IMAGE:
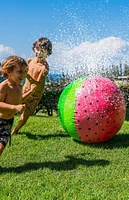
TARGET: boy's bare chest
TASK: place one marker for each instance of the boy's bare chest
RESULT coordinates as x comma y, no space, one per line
36,69
35,72
13,95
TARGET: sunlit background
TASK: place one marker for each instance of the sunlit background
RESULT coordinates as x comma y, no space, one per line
86,35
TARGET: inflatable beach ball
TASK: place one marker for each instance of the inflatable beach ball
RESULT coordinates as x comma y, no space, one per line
92,110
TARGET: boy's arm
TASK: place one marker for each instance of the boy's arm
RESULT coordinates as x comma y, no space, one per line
8,107
43,73
26,95
31,80
3,105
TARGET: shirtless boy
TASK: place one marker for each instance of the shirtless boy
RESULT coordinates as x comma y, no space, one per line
14,69
37,71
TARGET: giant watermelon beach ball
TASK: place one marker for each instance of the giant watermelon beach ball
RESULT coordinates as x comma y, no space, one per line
92,110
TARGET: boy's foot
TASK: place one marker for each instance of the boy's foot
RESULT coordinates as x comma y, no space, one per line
14,132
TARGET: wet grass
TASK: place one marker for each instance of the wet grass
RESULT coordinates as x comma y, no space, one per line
45,163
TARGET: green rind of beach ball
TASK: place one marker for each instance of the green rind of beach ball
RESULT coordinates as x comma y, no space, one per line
66,107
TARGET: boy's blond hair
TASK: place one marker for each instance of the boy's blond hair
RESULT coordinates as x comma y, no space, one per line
10,63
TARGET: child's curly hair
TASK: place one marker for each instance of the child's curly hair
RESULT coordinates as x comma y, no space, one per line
10,63
43,43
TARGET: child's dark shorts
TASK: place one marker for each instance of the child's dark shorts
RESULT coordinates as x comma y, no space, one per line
5,130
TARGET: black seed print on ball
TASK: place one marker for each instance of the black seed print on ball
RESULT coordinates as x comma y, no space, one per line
98,109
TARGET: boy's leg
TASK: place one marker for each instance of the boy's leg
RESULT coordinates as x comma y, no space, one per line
3,143
5,133
29,110
20,124
1,148
23,119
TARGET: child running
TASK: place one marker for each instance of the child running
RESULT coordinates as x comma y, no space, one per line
14,69
38,69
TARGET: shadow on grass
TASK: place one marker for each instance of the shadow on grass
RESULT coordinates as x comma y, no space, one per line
70,164
118,141
43,137
45,116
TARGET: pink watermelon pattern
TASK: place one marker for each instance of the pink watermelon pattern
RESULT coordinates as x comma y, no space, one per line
99,110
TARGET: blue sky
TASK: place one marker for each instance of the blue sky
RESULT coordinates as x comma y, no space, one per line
68,24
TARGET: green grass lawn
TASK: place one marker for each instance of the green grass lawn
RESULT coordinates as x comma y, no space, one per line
45,163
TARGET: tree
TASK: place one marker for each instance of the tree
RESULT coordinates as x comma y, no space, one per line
126,70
